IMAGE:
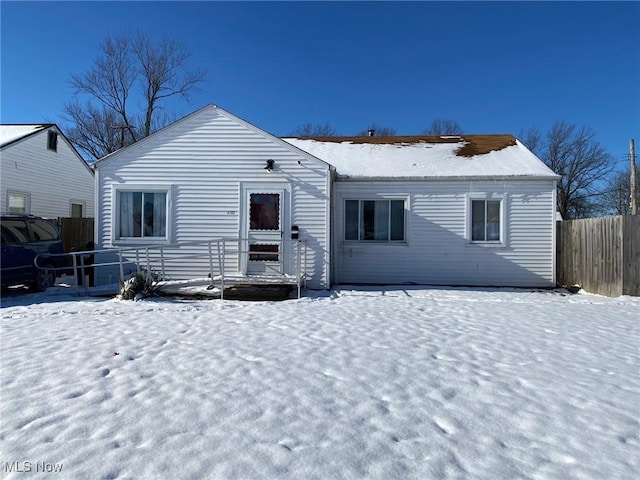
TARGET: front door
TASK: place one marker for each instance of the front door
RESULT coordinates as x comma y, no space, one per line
264,249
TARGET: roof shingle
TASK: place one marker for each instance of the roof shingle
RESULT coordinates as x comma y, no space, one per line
473,144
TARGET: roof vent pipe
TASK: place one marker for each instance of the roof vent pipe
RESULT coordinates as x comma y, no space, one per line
371,132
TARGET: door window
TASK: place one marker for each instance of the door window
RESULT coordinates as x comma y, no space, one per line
264,211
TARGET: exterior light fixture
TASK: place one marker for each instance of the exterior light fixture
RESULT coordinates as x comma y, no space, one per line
270,166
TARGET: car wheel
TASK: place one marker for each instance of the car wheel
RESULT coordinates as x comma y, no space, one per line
45,278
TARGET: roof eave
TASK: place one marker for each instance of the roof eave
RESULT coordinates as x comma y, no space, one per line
347,178
99,162
43,126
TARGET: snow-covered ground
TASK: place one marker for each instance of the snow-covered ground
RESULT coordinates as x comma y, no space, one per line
393,383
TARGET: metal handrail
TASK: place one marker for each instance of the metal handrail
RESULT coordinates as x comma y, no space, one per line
299,253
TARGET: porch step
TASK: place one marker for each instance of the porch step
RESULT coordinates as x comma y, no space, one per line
236,287
258,292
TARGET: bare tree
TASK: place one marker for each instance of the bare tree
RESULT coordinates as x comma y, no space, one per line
94,132
583,163
163,74
117,102
311,130
532,138
377,130
443,127
616,199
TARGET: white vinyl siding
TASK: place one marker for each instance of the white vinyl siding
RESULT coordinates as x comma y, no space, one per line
50,178
438,249
206,157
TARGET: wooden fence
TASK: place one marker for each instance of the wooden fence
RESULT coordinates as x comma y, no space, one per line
77,233
602,255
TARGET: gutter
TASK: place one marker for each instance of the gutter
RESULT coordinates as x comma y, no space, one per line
347,178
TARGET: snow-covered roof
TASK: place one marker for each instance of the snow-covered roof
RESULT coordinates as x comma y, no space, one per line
12,133
425,156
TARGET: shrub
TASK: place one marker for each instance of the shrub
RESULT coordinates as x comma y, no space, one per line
141,285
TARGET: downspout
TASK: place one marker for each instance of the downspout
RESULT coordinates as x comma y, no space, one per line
97,217
331,228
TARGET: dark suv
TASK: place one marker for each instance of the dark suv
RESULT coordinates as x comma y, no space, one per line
24,237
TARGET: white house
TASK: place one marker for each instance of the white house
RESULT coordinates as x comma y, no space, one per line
43,174
453,210
457,210
214,175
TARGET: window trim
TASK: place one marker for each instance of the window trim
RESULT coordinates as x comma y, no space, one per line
16,193
115,213
492,197
360,199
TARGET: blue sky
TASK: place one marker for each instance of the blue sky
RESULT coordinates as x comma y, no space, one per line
493,67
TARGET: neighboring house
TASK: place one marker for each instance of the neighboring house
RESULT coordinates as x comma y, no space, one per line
454,210
42,174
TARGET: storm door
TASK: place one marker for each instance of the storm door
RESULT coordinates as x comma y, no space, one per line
264,248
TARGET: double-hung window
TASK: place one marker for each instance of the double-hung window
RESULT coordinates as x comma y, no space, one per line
374,220
486,220
141,213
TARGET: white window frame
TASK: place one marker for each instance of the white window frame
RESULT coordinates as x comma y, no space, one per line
492,197
115,213
25,195
360,199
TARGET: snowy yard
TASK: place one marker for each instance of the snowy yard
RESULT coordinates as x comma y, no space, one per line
390,383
